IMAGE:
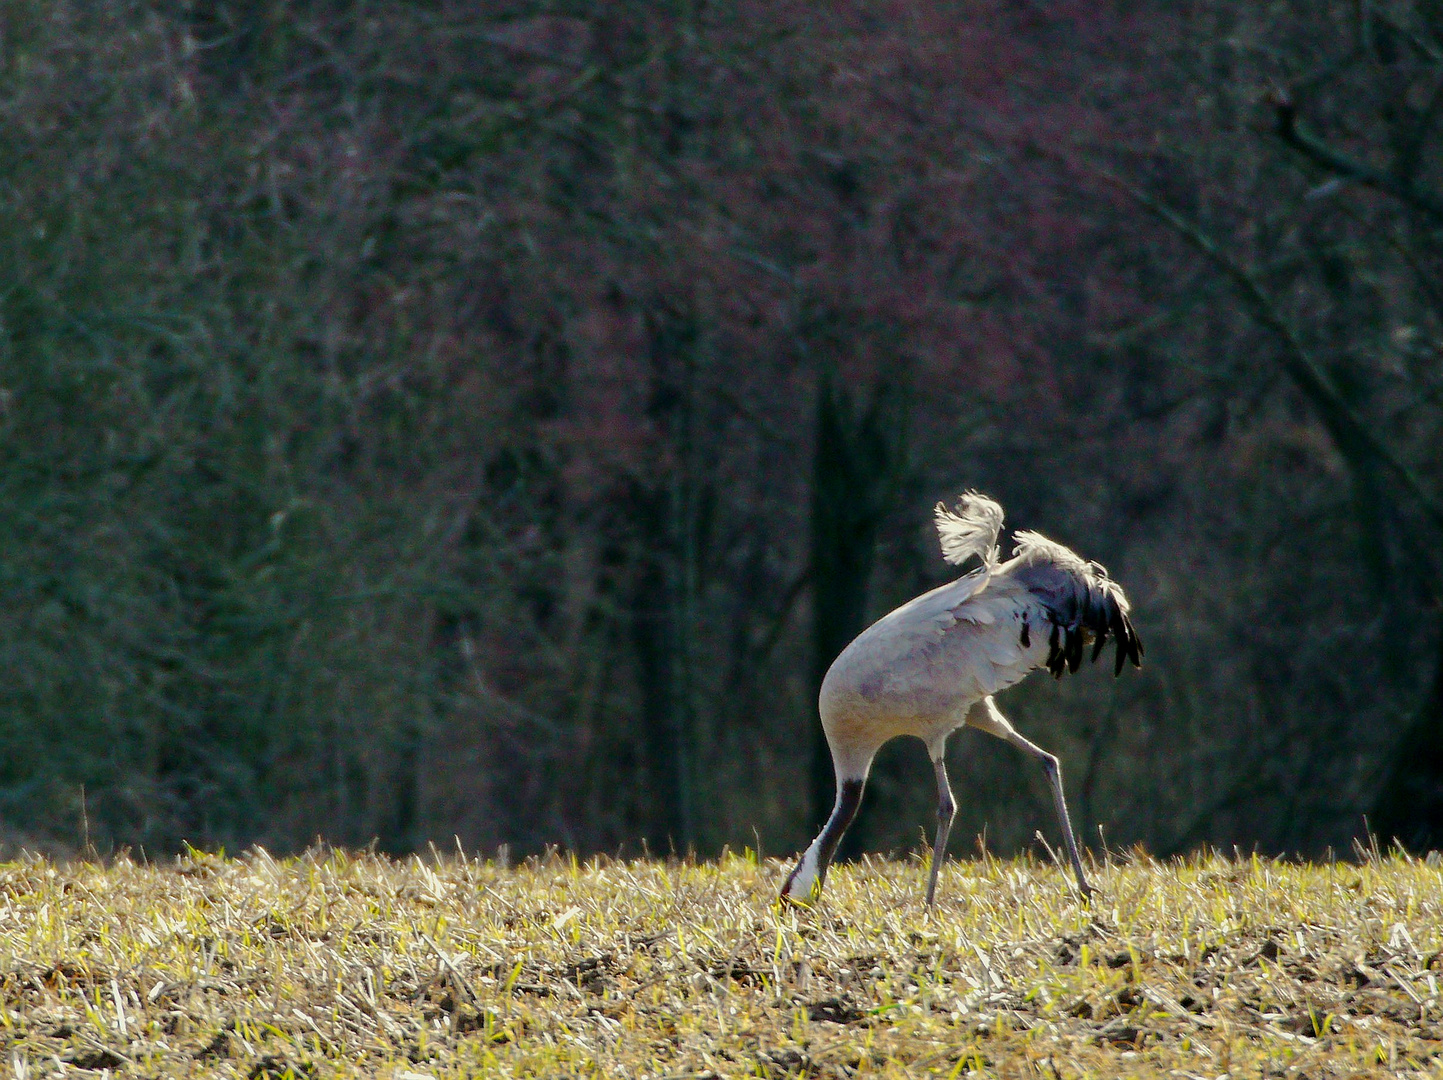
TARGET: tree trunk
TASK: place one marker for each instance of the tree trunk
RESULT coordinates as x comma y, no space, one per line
653,639
1409,806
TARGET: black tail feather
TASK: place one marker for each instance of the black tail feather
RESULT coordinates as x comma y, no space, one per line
1082,603
1096,612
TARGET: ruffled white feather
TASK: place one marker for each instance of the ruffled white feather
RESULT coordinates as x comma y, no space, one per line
970,528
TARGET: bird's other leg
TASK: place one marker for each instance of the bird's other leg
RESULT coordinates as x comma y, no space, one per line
994,723
946,807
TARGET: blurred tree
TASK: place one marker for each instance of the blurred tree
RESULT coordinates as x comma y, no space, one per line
432,420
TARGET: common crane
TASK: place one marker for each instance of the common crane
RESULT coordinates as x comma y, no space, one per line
934,664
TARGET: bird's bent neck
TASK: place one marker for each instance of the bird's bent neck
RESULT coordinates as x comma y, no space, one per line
806,880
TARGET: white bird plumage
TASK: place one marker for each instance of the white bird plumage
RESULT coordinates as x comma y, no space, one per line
969,530
934,664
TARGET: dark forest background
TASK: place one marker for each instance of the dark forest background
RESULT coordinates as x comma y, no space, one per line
487,420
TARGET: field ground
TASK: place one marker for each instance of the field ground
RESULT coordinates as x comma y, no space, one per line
335,964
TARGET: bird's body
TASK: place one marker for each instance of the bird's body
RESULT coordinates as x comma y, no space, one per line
925,668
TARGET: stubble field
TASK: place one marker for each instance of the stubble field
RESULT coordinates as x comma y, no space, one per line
336,965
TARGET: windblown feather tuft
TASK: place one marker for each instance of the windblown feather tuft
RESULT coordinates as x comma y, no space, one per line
970,528
1083,604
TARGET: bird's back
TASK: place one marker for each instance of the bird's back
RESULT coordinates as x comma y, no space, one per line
938,654
920,668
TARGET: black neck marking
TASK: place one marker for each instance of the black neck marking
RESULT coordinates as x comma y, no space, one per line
849,798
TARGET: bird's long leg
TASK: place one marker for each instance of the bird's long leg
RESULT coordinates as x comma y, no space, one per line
946,807
994,723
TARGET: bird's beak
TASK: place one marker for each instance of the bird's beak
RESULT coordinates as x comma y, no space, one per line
789,898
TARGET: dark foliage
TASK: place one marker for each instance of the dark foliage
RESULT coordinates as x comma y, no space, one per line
432,420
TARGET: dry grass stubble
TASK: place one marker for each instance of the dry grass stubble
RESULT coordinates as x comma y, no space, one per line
334,964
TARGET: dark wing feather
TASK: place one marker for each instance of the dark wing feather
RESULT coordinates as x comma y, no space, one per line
1081,602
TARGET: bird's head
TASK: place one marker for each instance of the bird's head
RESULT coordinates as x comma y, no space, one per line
803,884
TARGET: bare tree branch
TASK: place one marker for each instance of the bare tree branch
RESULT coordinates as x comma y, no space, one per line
1292,132
1349,431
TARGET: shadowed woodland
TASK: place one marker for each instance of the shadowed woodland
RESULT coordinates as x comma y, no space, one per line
432,420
